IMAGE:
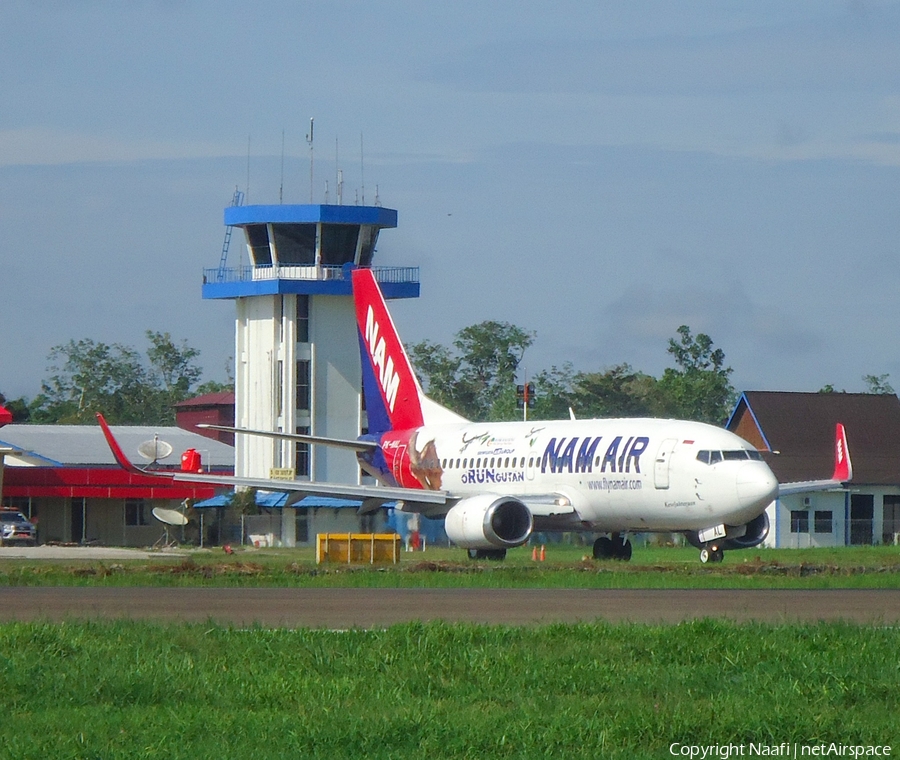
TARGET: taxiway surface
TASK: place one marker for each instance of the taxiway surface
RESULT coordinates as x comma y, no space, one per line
376,608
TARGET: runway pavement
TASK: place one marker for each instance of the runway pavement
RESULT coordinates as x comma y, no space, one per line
376,608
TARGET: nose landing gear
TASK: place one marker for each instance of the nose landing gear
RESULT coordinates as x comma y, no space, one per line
712,553
612,548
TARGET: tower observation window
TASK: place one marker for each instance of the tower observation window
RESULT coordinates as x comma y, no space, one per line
368,235
339,243
258,240
295,244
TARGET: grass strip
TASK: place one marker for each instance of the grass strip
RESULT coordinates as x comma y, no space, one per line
566,567
127,689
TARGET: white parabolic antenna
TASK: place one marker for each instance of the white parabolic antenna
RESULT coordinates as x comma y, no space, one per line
169,516
155,450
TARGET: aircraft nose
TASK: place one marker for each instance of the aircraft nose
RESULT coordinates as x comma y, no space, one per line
756,484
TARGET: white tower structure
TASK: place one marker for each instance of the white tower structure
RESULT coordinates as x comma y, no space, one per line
297,364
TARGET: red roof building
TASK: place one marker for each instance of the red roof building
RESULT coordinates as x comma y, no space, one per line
795,432
210,409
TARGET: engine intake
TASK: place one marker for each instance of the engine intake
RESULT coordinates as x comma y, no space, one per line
488,521
757,530
744,536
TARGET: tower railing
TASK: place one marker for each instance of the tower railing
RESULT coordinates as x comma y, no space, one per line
300,272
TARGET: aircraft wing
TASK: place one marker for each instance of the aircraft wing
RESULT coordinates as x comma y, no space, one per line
410,496
808,486
344,443
338,490
843,470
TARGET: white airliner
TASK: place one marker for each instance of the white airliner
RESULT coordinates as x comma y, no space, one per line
496,483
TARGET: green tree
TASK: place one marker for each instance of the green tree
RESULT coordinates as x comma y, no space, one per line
554,393
619,392
698,388
477,380
87,377
17,407
878,384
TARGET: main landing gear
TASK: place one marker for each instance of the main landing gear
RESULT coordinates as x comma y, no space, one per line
712,553
612,548
495,554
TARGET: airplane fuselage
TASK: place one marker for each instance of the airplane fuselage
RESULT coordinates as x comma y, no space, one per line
616,475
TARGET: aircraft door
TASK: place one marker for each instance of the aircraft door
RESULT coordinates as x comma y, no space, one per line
661,463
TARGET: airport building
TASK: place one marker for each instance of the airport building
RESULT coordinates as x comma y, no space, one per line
796,433
64,478
297,365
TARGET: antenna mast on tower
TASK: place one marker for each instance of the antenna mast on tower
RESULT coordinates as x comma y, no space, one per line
309,140
362,169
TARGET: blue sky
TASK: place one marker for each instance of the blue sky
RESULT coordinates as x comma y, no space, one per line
598,172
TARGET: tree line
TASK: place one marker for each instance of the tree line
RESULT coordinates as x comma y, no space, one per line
127,386
475,377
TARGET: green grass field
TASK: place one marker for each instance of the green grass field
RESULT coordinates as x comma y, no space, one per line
565,567
126,690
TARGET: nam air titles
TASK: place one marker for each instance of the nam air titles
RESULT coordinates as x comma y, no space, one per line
578,454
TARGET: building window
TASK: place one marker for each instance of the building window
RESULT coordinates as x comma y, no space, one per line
823,522
302,319
302,526
303,380
891,526
135,513
278,390
302,457
799,521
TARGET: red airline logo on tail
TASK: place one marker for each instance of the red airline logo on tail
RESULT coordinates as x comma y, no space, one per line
843,469
383,364
389,362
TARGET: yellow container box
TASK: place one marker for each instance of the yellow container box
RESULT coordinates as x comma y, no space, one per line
357,548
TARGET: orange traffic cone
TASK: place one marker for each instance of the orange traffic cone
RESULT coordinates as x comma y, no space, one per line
543,553
534,554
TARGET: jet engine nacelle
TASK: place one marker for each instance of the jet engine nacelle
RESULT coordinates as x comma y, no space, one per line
488,521
756,531
744,536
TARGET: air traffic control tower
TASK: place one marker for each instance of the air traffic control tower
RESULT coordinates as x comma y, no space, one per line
297,365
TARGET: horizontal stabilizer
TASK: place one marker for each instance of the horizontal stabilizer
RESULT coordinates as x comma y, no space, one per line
843,470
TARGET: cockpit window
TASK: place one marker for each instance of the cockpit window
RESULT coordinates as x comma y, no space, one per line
711,457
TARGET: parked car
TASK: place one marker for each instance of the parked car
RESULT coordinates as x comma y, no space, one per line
16,528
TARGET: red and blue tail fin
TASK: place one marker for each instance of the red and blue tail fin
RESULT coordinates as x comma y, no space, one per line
393,394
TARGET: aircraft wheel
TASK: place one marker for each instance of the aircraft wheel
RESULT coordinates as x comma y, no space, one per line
603,548
493,554
704,555
717,554
624,551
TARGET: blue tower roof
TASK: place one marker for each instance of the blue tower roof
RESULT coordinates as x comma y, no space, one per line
311,213
307,249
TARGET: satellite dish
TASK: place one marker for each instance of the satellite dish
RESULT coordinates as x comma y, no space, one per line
155,450
169,516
